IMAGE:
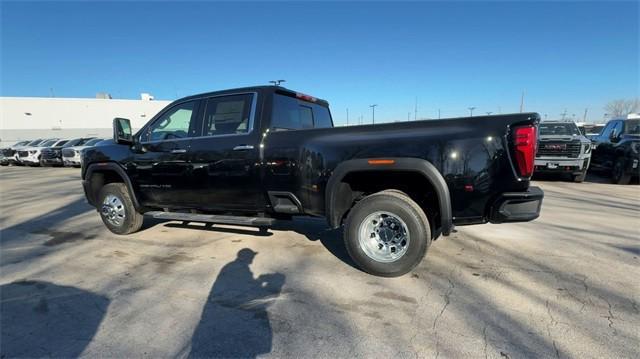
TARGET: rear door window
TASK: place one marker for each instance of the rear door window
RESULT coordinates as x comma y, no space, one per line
228,115
292,114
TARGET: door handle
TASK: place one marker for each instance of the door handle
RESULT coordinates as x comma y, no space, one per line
243,147
179,151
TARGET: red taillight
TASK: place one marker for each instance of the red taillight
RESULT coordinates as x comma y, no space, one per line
525,143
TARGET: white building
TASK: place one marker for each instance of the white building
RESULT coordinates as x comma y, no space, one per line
25,118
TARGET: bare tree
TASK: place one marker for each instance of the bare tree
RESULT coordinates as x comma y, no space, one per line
622,107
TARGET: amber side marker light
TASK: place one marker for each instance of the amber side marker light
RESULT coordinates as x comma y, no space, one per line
381,162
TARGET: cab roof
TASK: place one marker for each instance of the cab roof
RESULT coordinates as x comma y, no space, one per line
263,90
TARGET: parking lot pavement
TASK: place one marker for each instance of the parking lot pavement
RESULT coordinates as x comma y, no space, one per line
565,285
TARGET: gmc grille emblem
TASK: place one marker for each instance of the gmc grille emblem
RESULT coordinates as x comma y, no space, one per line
555,147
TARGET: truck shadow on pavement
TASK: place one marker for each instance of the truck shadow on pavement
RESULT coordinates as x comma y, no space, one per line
313,229
235,321
44,319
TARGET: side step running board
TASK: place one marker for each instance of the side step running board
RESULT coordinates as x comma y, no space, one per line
209,218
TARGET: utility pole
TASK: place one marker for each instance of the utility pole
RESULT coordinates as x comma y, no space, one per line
373,113
438,114
471,110
408,116
522,102
415,110
584,117
347,116
564,115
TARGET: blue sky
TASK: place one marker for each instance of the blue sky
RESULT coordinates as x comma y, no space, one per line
569,55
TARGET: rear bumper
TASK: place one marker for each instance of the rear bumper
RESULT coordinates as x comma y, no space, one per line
517,206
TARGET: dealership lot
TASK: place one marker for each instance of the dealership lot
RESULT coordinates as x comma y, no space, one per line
565,285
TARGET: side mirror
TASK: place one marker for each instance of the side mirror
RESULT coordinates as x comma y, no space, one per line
613,136
122,131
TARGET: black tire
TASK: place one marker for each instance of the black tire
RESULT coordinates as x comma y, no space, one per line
580,178
132,221
618,176
409,212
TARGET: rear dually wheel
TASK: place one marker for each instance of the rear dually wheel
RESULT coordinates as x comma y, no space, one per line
387,234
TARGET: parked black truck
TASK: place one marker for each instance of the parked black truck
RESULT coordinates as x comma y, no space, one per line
617,149
252,155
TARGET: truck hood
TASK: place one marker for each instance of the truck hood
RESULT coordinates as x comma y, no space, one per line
31,148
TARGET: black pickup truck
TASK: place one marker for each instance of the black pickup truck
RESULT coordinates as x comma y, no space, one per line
252,155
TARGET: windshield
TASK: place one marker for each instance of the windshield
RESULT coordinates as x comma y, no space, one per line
61,143
22,143
93,141
48,143
633,127
84,141
558,129
34,142
594,130
73,142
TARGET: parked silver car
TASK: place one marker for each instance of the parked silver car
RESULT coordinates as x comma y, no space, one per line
562,149
71,155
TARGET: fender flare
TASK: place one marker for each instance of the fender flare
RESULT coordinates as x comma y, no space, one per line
108,166
421,166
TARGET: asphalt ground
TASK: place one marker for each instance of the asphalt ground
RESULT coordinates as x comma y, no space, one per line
565,285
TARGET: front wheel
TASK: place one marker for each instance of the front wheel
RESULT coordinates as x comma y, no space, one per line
117,210
387,234
619,176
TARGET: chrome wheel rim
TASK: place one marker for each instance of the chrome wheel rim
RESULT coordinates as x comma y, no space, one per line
383,236
113,210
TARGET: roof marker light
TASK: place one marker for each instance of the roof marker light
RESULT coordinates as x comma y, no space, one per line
306,97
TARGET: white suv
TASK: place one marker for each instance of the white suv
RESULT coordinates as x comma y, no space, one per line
31,155
71,154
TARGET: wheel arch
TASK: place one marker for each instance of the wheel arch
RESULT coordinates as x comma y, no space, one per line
99,174
337,206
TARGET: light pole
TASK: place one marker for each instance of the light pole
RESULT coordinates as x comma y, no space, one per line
564,115
373,113
277,82
489,113
471,110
